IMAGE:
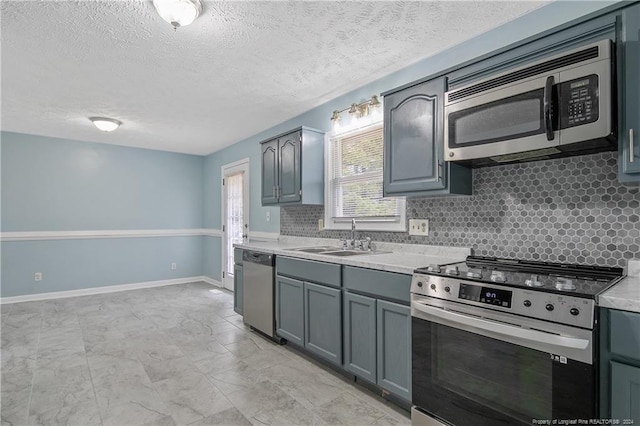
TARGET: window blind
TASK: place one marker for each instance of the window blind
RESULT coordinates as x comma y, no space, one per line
356,177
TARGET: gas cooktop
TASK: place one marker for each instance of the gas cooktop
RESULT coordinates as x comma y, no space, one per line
570,279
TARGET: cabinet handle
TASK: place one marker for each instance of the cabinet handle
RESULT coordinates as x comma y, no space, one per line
274,192
277,192
631,154
439,172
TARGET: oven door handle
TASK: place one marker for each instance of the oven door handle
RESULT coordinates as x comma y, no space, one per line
493,327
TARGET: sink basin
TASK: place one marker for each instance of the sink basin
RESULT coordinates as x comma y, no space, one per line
343,253
315,249
334,251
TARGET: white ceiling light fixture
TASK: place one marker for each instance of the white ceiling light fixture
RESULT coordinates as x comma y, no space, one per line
178,12
105,124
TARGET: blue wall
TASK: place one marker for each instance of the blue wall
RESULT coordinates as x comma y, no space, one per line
538,21
51,184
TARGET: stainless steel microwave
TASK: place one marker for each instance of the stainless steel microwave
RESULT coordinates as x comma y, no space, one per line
559,106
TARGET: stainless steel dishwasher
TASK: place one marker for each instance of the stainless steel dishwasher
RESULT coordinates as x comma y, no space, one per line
259,291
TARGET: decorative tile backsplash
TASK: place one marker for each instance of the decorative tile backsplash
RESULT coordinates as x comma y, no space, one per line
563,210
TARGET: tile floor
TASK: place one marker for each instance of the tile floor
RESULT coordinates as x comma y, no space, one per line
165,356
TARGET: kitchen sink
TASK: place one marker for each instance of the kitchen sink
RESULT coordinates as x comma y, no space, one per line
334,251
315,249
343,253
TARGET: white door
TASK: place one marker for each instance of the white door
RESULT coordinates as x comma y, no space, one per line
235,214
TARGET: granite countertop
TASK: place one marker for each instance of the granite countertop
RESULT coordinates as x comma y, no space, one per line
403,258
625,295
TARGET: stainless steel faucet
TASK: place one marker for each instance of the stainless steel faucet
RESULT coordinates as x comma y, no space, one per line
353,233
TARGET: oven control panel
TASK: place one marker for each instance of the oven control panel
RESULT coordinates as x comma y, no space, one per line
569,310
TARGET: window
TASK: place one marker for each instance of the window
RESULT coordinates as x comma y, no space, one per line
353,187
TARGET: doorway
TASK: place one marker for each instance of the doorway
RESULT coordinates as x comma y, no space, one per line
235,214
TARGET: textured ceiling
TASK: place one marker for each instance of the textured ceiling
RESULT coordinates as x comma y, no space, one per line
240,68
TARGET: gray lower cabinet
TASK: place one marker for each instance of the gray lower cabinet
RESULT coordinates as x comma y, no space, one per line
378,300
237,288
394,348
323,321
625,404
360,335
620,365
290,309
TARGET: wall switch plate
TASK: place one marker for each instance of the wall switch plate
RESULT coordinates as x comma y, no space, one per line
37,276
268,216
174,265
419,227
320,224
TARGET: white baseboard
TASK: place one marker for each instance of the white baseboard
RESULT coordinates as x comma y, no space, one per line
211,281
106,289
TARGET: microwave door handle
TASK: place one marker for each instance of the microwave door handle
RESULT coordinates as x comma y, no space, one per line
496,328
548,122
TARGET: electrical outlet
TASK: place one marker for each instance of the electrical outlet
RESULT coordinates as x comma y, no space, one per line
320,224
174,265
37,276
419,227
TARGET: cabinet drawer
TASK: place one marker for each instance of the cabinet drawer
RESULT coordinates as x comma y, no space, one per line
625,334
237,256
309,270
386,285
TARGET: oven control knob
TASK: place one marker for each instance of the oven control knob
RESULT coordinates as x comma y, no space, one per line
447,289
574,311
527,303
433,286
549,307
420,284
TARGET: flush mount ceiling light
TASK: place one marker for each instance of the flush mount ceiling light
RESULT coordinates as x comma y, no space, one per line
178,12
105,124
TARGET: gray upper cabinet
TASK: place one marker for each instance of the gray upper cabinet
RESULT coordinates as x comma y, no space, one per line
629,99
293,168
413,144
269,158
289,174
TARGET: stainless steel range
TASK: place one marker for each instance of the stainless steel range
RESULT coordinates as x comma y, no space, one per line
503,341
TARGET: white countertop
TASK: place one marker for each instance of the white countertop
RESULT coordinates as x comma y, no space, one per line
626,294
403,259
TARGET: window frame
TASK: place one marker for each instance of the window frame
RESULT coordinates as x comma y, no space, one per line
362,223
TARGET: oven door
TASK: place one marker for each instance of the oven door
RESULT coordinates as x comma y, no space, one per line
501,122
474,366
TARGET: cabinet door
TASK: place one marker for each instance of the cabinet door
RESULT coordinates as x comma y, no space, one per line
629,137
394,348
237,288
360,336
290,309
323,322
289,175
625,392
269,159
413,138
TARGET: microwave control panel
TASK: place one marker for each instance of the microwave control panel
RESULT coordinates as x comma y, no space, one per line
578,101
